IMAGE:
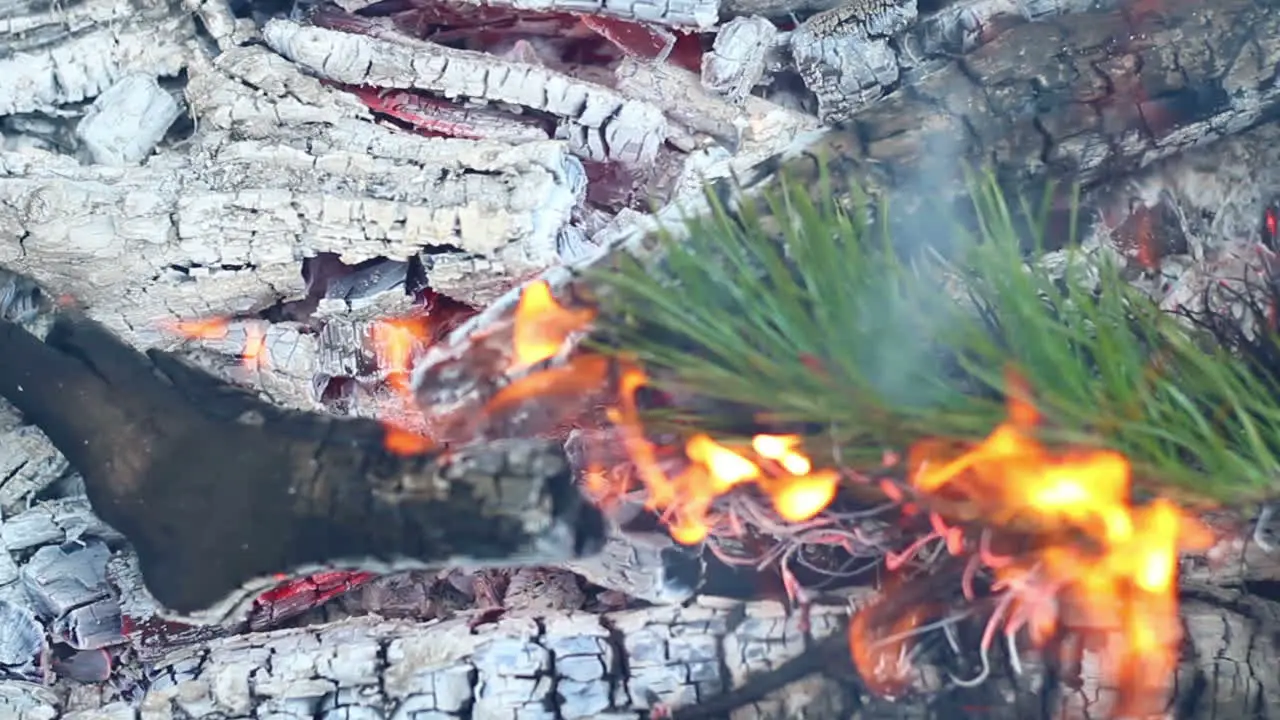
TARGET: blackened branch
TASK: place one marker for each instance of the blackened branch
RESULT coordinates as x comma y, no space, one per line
219,492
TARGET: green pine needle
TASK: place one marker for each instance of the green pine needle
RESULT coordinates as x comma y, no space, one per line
792,312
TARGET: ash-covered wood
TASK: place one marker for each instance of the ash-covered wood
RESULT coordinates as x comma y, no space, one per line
844,54
602,125
622,664
281,169
545,665
1079,96
57,53
217,490
683,14
739,57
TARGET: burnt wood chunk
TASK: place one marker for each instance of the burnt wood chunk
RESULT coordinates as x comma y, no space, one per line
218,491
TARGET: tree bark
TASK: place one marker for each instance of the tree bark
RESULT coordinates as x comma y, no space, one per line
217,490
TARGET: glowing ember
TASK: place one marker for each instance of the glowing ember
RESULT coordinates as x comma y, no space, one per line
1098,565
542,325
254,353
255,347
207,329
580,375
778,469
399,441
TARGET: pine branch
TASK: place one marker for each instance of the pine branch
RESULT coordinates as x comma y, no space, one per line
791,312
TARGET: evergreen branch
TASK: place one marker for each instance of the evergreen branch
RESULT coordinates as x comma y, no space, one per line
795,312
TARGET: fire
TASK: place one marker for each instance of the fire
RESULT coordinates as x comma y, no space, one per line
401,441
579,376
395,341
1098,564
778,469
1088,561
541,325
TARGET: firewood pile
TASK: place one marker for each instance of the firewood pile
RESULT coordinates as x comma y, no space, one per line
340,210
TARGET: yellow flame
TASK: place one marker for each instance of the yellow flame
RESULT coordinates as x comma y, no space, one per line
395,342
1113,563
775,465
542,325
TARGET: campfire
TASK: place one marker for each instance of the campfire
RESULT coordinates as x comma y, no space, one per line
721,359
1052,540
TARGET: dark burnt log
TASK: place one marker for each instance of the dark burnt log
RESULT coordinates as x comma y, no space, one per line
1078,98
218,491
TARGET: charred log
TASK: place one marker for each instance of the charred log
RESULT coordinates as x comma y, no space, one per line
624,664
218,490
1079,97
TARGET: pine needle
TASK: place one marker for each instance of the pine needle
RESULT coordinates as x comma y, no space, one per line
793,310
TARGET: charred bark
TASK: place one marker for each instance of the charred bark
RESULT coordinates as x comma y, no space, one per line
218,490
709,660
1077,98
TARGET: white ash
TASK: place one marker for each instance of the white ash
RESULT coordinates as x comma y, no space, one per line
739,56
53,54
68,586
213,240
125,123
209,228
527,664
53,522
29,463
22,642
603,125
679,14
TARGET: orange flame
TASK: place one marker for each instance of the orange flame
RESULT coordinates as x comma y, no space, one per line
779,470
542,325
395,342
580,375
401,441
880,650
1104,567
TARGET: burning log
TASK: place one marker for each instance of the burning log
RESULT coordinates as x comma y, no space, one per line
1097,110
619,664
217,490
